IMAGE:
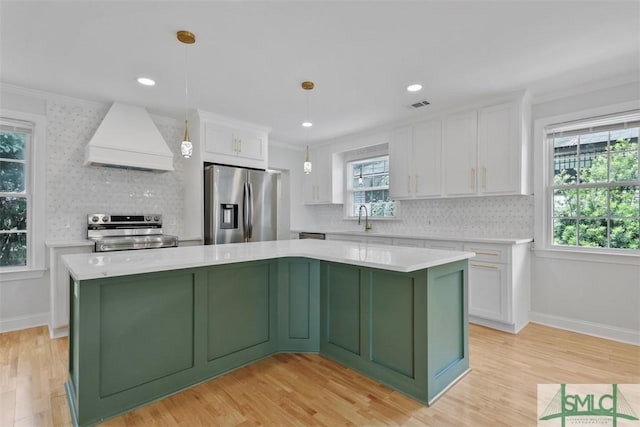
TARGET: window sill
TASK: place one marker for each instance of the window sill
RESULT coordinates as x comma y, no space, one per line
22,273
632,258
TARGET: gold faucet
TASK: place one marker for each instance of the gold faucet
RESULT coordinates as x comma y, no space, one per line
367,226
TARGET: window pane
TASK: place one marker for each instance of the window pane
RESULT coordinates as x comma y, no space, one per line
625,234
593,233
564,232
565,154
593,202
12,145
13,249
624,160
12,177
365,175
594,157
13,213
631,134
565,203
625,201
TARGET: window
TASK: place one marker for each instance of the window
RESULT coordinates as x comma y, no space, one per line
594,187
368,185
15,192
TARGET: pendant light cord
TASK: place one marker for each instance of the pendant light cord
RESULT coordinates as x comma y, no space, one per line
186,82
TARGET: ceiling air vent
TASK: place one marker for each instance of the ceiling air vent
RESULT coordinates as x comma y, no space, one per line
420,104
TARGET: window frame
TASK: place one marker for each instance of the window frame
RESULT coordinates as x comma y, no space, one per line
35,181
544,188
349,189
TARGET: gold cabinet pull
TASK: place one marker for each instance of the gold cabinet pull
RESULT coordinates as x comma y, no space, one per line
484,178
487,253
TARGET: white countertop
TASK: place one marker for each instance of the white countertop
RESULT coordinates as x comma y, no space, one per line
448,237
395,258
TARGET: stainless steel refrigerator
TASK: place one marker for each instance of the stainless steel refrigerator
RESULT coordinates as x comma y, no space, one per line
240,205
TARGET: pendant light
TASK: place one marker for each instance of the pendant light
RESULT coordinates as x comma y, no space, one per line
187,38
307,86
307,163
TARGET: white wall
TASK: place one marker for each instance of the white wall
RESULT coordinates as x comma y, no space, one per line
23,303
290,159
587,295
73,190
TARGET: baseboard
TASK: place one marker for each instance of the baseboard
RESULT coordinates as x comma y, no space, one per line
504,327
58,332
24,322
628,336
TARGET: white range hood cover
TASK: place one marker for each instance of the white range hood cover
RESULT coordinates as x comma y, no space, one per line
128,138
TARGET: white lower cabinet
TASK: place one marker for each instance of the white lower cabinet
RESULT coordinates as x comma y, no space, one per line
499,285
59,286
488,291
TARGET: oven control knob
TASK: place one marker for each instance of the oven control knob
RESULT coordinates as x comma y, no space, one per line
156,218
95,218
147,218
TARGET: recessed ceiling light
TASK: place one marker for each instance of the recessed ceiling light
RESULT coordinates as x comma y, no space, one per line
307,124
414,87
146,81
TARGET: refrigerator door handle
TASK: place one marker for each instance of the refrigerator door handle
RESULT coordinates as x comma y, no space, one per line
250,215
245,212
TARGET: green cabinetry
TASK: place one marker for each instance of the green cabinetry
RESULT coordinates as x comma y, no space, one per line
138,338
407,330
298,305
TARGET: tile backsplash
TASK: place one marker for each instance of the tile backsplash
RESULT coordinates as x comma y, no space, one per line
75,190
496,216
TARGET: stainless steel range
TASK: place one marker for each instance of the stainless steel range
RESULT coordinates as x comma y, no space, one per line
124,232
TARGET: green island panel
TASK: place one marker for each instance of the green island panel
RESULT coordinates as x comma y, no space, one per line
146,331
391,322
343,307
299,287
447,326
238,308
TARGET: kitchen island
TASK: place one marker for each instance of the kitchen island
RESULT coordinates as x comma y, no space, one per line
146,324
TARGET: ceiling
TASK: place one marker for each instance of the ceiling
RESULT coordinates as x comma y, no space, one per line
250,57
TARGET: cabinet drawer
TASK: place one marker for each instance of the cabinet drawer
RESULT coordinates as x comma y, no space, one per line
488,252
444,245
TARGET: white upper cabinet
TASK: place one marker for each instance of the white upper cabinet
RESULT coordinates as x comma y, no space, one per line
486,151
460,154
232,142
415,160
324,184
502,150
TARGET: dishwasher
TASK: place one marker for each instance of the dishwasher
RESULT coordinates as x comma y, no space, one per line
308,235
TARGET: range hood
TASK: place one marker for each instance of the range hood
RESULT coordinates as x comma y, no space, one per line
128,138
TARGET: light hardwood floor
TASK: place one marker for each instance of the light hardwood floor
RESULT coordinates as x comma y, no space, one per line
310,390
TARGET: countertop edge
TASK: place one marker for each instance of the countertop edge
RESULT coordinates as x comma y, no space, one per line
497,240
392,258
